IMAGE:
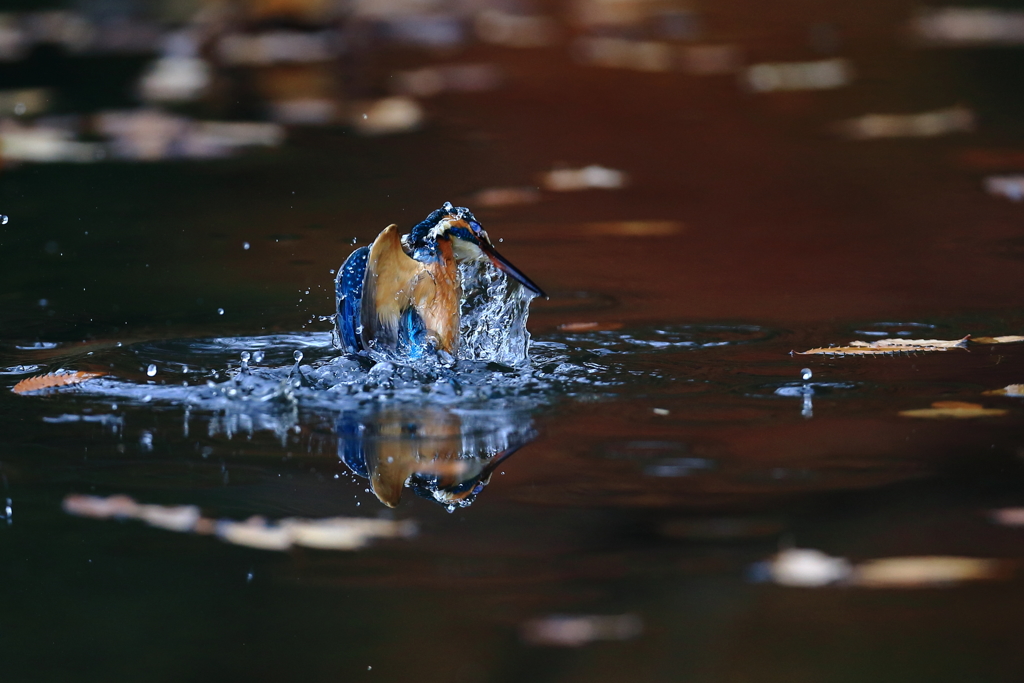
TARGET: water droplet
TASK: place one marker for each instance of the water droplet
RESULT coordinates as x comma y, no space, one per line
245,356
220,311
245,245
257,357
297,356
151,370
806,374
354,240
447,206
3,219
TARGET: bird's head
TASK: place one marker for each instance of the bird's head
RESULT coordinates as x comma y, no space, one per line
469,241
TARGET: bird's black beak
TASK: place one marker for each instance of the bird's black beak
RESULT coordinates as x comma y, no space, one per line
504,265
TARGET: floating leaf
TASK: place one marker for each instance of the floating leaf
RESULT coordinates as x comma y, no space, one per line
923,572
955,410
53,380
1008,339
1009,390
889,347
332,533
814,569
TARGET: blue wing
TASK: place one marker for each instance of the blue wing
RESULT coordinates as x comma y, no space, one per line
348,288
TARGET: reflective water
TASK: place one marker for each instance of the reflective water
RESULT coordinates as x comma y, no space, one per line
665,491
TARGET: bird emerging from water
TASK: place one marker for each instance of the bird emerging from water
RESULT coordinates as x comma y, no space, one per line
403,294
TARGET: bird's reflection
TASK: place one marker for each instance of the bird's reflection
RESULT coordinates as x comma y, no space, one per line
442,455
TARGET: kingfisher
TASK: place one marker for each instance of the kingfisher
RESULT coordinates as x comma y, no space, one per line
402,294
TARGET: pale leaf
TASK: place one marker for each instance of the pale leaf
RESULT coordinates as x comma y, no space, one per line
922,572
331,533
889,347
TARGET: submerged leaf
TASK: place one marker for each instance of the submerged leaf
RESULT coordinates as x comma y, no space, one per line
889,347
955,410
1008,390
53,380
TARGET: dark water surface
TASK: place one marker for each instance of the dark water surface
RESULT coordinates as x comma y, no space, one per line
661,445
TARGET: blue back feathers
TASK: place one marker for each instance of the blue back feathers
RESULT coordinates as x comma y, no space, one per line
349,291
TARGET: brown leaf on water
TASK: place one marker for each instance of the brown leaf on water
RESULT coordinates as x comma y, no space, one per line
1008,390
955,410
1008,339
53,380
925,572
889,347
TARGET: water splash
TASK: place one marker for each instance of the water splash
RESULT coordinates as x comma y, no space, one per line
494,312
442,421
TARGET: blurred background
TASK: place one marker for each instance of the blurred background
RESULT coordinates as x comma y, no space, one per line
798,162
703,187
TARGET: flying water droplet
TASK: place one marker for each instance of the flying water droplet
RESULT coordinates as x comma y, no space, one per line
151,370
806,374
3,219
245,245
245,356
257,357
297,356
220,311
